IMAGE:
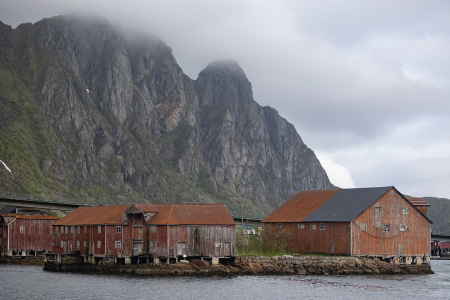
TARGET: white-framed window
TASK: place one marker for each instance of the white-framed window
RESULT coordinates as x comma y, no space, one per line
279,225
404,227
72,229
22,229
85,244
67,229
78,244
152,228
62,244
301,226
322,226
386,227
405,210
313,226
99,244
363,226
78,229
99,229
152,244
218,244
85,229
56,229
118,230
378,210
118,244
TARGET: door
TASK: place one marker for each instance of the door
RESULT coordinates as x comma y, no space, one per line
92,248
181,248
400,250
137,240
70,247
227,249
65,247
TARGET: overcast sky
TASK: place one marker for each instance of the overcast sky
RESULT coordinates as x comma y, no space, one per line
366,83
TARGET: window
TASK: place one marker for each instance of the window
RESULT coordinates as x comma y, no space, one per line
404,227
99,229
152,228
72,229
78,244
322,226
85,244
56,229
218,244
22,229
301,226
118,230
378,210
99,244
363,226
152,244
118,244
62,244
85,229
78,229
279,225
67,229
313,226
386,227
405,210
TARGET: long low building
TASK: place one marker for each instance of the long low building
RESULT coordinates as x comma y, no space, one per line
157,230
374,222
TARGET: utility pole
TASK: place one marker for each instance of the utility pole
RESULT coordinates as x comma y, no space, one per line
242,215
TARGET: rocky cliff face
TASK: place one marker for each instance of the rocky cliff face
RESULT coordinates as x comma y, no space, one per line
99,114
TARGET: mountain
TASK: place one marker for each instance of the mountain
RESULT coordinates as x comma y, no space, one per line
439,213
90,112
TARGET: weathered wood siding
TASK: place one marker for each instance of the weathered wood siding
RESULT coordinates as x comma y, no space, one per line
415,241
36,235
334,239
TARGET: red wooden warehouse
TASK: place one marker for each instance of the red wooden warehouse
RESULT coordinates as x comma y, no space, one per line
373,222
156,230
25,231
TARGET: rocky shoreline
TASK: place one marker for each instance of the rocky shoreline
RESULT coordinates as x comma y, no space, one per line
25,260
277,265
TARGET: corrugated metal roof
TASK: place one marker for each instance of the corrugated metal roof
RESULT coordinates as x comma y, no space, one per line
189,214
32,216
346,205
418,202
300,206
94,215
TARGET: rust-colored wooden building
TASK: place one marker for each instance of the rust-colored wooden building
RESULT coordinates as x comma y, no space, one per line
25,231
158,230
373,222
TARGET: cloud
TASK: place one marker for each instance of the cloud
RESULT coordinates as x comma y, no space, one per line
337,174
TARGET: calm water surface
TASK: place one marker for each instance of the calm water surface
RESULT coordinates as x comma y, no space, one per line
22,282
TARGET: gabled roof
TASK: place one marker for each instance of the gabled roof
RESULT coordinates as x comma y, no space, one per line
8,210
32,216
346,205
418,202
300,206
94,215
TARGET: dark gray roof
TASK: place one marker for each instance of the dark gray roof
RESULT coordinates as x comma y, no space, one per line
346,205
8,210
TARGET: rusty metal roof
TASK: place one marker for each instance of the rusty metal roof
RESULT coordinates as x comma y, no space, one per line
418,202
189,214
94,215
32,216
300,206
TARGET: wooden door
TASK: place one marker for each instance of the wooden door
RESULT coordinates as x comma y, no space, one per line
137,240
92,248
227,249
70,247
181,248
65,247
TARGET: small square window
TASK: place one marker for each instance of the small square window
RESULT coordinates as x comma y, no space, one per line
378,210
99,244
152,244
62,244
363,226
301,226
386,227
118,230
279,225
78,229
56,229
99,229
218,244
405,210
22,229
78,244
152,228
313,226
85,229
118,244
403,227
322,226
